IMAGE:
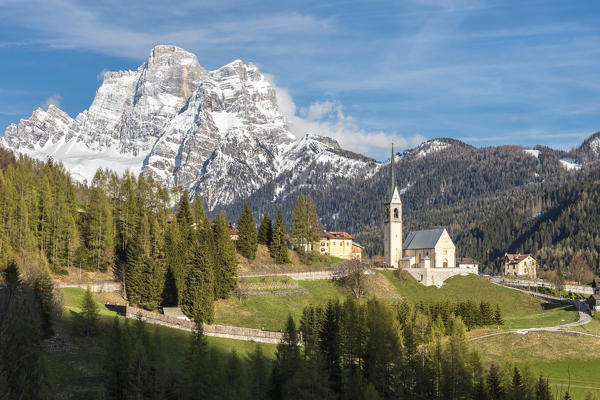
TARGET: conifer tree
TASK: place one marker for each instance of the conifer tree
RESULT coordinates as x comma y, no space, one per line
299,229
199,293
265,231
313,226
287,361
197,371
43,288
116,364
498,316
176,252
278,249
23,371
225,260
258,375
247,241
198,213
542,390
89,314
184,212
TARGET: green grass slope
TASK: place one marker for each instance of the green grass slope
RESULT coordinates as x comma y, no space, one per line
271,312
519,310
77,373
561,358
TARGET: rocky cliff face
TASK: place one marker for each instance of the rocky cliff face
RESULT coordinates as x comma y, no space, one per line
217,133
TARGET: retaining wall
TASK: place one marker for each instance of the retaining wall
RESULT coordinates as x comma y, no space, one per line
319,274
437,276
231,332
539,283
96,287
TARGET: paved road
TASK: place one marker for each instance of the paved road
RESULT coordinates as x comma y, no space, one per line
584,317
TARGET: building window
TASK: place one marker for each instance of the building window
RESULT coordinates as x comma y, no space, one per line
396,213
445,263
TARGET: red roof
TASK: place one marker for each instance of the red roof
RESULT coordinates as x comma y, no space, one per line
337,235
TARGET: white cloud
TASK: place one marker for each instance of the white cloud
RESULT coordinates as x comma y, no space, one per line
329,119
52,100
319,110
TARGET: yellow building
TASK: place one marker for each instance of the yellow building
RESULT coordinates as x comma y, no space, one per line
340,244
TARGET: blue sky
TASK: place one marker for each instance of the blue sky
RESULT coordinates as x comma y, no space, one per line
366,73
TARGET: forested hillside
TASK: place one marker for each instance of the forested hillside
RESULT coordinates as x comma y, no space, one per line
122,225
555,226
445,183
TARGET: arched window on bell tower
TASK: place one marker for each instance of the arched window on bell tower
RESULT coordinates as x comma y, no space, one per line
395,213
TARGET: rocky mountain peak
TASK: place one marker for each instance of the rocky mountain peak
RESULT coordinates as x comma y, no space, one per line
219,134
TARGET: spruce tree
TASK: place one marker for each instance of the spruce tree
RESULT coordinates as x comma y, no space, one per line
44,292
197,367
542,389
23,370
287,361
299,229
225,259
258,375
116,364
199,293
89,314
247,241
278,249
198,210
184,212
265,231
313,226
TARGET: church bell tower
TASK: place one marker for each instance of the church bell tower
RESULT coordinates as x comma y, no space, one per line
392,222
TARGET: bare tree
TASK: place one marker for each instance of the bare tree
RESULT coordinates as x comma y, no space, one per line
579,270
353,275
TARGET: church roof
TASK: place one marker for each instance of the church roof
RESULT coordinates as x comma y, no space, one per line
422,239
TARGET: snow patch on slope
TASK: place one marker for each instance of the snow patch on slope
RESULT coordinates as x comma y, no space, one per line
535,153
570,164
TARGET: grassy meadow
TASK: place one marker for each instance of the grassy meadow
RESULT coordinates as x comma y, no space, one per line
569,362
77,372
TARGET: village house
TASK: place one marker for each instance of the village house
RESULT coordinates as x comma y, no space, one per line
340,244
594,299
521,265
467,262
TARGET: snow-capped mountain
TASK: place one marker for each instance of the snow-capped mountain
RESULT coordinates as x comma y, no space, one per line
217,133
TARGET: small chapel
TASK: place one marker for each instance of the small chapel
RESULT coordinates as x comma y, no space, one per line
428,255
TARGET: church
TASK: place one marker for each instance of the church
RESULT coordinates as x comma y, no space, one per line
428,255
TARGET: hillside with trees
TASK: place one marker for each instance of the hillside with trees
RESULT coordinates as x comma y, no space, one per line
557,226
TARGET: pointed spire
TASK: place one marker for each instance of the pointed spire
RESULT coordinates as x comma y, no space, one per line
392,173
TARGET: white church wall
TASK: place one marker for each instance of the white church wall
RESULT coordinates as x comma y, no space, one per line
444,251
437,276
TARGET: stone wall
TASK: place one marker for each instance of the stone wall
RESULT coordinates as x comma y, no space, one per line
96,287
541,283
437,276
301,275
231,332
